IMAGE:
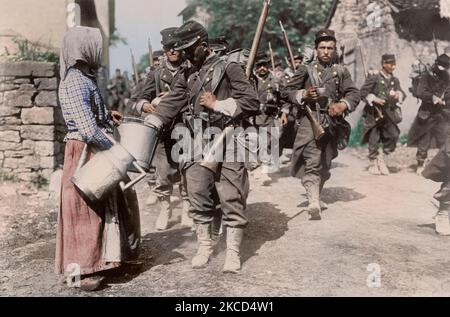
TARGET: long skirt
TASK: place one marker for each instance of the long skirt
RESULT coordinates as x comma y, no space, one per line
92,238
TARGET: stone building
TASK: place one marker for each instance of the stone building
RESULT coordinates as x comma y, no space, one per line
196,12
45,22
371,28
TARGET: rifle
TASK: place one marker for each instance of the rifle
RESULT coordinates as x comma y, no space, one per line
209,161
135,69
288,45
378,113
435,45
272,60
318,130
150,54
257,38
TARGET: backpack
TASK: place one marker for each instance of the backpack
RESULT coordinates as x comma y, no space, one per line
418,69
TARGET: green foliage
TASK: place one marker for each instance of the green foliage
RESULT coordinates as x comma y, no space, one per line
237,20
355,136
7,177
403,138
28,51
115,38
143,63
39,181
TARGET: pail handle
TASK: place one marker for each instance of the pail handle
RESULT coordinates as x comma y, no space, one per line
134,181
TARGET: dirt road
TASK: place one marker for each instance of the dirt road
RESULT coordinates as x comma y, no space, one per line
376,239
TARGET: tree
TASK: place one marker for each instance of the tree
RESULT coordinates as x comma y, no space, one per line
237,20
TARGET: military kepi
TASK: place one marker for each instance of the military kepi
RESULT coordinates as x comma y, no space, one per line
443,60
325,35
190,33
168,38
388,58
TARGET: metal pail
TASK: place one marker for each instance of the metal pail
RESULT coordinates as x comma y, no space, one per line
139,138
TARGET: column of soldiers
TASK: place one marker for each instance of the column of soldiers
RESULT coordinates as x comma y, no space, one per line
198,80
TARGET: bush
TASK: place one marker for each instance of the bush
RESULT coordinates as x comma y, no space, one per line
355,136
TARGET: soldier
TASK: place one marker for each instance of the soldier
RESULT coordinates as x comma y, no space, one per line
298,60
328,88
217,92
268,88
158,83
438,170
383,95
429,127
219,45
158,56
117,87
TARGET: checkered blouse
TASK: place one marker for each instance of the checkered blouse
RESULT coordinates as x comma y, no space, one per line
83,109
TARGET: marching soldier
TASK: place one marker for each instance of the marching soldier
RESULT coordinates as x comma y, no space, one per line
430,124
438,170
329,93
158,83
268,88
383,94
216,93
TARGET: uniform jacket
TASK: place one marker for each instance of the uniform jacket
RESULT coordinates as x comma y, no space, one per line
430,114
379,85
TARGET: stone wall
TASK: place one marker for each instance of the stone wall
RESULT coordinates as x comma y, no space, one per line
31,125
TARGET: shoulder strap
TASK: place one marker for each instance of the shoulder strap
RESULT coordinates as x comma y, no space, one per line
157,82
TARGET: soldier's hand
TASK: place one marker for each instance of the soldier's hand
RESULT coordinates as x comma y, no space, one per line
337,108
208,100
394,94
116,117
379,101
311,93
163,94
438,101
148,107
283,119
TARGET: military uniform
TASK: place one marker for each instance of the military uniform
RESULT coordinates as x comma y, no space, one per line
311,159
382,125
236,99
438,170
268,89
162,80
429,127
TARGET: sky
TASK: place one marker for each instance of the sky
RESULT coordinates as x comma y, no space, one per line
137,20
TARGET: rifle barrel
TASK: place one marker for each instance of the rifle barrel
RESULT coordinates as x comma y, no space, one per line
257,38
288,45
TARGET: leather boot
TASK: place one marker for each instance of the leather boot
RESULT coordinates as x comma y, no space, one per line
313,195
382,165
442,220
185,219
323,205
216,227
373,167
205,245
165,212
420,168
233,258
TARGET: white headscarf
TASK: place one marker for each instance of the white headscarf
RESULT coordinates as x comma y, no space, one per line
81,43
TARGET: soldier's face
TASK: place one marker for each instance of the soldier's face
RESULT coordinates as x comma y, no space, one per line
388,68
196,54
326,51
172,55
262,69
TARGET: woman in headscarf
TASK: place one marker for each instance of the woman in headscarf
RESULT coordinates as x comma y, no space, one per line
90,239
